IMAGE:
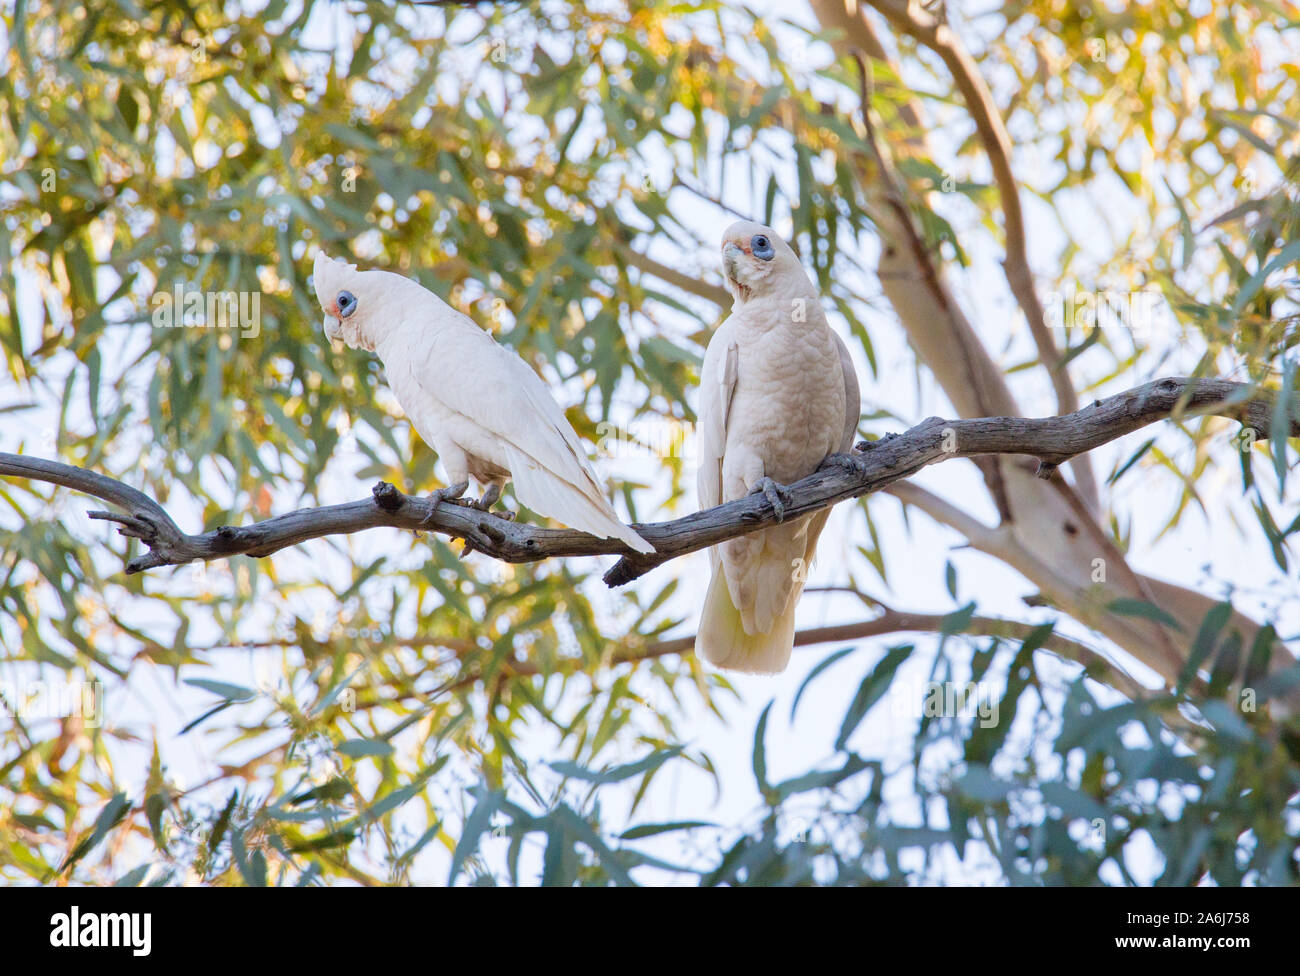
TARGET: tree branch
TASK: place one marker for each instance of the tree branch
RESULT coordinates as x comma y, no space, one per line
688,283
1052,440
889,621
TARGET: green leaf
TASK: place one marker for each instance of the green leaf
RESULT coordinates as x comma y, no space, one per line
1202,646
978,783
329,697
821,666
584,832
1281,683
1099,728
233,693
360,748
1074,803
1281,422
94,366
619,773
220,825
1251,288
251,867
216,709
760,750
324,842
1129,607
127,107
335,788
958,621
480,818
986,740
1227,720
1185,226
873,686
821,779
1133,459
113,813
1261,652
650,830
134,877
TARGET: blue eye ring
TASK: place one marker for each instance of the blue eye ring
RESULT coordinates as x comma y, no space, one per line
347,303
761,247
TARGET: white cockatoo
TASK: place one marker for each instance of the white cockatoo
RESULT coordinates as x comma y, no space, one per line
480,406
778,395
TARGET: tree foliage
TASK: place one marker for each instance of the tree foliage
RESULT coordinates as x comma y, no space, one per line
542,166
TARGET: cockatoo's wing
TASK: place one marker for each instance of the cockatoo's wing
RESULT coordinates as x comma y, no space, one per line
718,377
852,397
493,394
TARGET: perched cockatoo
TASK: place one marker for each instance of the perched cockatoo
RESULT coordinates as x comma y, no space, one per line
778,394
479,405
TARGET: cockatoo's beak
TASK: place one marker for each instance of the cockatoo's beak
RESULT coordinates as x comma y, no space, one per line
731,253
322,263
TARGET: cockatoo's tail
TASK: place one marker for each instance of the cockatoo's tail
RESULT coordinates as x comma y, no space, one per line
480,406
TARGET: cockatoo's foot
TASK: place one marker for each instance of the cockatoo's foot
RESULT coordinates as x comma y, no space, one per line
451,493
854,465
490,498
863,446
777,495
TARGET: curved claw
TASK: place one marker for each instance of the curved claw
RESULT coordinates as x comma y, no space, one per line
777,495
451,493
490,498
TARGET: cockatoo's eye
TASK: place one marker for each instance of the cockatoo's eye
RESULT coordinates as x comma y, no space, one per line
347,303
762,247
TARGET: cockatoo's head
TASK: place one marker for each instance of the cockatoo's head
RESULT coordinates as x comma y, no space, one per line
755,260
360,306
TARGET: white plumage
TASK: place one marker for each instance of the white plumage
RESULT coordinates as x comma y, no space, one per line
778,393
480,406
